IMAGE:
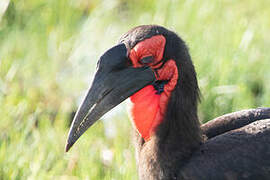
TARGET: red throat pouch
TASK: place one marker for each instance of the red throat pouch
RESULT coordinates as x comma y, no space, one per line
147,107
144,110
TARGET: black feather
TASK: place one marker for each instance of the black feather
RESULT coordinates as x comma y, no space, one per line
178,149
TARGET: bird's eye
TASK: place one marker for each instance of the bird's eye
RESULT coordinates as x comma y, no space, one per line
147,60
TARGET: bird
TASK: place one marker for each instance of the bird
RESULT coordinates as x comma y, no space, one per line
151,66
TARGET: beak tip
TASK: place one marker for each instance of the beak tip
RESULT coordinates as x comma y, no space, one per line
68,146
69,143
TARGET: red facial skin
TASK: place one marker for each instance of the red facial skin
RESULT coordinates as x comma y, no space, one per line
148,108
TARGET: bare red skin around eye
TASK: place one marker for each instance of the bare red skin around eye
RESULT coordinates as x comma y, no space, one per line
153,46
148,108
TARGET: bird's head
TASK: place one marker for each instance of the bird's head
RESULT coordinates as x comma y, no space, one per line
147,66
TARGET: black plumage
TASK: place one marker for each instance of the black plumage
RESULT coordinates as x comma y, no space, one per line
178,149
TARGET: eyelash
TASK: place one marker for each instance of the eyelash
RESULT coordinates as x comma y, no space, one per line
147,60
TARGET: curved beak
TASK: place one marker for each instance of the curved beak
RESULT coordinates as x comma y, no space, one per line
114,82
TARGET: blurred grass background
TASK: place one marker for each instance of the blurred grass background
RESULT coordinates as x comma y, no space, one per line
48,52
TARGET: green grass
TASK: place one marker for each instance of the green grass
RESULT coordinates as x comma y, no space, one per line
48,52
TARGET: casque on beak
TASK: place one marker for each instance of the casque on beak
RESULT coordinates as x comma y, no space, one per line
114,82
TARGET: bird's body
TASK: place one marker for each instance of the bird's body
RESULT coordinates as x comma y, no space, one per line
152,66
243,153
238,154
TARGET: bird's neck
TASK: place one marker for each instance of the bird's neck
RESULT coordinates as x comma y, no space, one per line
175,137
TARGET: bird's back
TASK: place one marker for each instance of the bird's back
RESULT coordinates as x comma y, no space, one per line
243,153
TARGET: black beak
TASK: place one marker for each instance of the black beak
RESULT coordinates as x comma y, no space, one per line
114,82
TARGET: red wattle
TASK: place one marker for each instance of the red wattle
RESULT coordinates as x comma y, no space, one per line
145,107
148,108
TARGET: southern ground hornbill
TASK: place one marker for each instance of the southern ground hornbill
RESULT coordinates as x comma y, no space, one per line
152,67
